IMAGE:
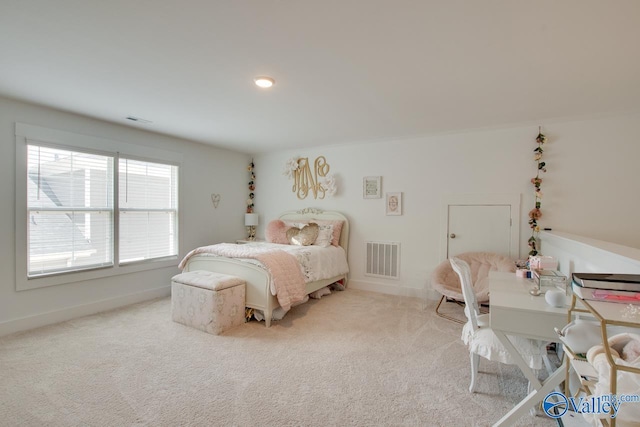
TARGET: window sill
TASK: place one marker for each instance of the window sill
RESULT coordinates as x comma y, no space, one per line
23,283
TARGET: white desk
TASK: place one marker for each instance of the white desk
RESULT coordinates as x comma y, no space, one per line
516,312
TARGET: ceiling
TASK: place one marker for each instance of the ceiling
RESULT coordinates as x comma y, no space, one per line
346,70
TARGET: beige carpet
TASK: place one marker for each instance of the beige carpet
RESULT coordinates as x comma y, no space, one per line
352,358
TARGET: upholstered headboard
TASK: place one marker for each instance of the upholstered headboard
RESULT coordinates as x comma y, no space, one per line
313,213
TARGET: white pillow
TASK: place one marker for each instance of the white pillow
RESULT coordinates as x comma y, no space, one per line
325,234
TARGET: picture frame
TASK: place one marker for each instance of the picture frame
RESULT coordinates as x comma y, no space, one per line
393,205
371,187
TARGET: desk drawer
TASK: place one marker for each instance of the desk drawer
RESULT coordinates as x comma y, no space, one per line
538,325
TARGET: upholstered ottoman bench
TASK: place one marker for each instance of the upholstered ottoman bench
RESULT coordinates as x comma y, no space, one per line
211,302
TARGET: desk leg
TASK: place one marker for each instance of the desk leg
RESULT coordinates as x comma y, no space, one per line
517,357
533,398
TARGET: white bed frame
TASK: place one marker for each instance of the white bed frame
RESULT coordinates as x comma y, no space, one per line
258,294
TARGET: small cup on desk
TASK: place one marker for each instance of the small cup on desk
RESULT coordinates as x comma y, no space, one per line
555,297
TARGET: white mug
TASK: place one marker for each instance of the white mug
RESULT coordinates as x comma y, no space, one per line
555,297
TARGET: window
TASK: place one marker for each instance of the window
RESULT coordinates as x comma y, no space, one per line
70,210
148,210
89,207
70,205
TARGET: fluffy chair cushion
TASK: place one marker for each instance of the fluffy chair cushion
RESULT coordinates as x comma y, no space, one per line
484,342
276,232
446,281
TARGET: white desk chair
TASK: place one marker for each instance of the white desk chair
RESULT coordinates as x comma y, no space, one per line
480,338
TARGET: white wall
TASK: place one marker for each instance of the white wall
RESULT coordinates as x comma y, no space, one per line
590,190
578,254
590,187
204,170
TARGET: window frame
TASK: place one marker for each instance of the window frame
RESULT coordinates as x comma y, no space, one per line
30,134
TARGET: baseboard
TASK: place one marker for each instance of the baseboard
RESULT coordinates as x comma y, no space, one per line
49,318
52,317
387,289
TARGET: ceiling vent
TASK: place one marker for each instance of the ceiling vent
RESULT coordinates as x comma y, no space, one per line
138,119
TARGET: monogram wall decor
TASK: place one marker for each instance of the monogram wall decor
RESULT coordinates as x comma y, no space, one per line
310,178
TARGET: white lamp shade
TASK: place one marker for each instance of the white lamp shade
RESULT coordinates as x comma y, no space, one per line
251,219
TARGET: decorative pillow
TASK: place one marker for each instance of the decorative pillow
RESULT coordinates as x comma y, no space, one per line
297,224
337,229
304,236
325,235
276,232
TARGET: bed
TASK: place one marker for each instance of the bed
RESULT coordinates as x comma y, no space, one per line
259,295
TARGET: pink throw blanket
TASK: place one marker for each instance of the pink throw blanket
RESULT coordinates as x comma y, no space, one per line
287,280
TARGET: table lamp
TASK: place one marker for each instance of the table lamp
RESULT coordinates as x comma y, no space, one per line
251,221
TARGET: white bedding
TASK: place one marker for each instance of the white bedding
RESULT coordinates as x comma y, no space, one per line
316,262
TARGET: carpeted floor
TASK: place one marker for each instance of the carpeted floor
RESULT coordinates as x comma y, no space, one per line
353,358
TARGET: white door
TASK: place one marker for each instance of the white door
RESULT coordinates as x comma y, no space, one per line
480,228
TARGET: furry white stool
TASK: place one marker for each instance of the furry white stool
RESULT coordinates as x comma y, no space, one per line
211,302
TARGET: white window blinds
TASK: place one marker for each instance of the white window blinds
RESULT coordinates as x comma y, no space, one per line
70,210
148,207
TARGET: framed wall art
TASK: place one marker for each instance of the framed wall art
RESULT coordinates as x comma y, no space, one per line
394,204
371,188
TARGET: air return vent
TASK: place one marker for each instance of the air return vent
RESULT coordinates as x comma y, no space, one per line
383,259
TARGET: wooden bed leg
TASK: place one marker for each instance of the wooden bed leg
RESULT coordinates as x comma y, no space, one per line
267,318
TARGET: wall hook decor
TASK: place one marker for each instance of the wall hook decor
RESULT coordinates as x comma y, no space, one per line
215,199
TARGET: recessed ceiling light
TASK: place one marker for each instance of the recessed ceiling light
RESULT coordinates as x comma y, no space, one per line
264,81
